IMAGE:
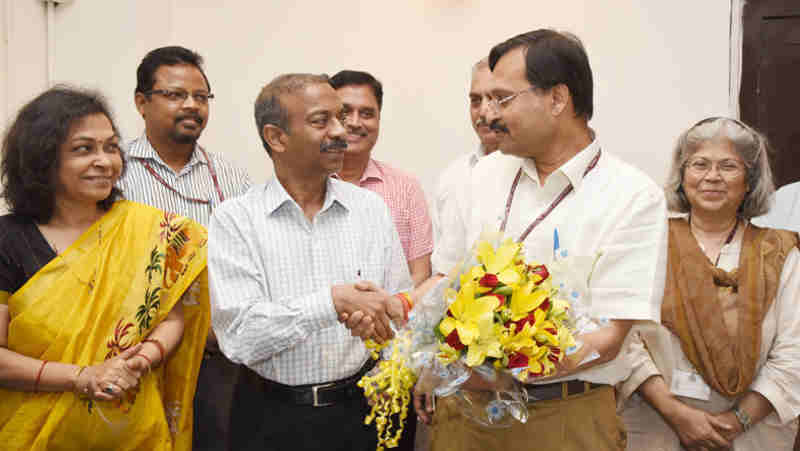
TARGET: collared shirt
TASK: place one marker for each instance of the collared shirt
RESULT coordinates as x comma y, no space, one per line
405,198
450,180
785,210
615,211
271,272
193,181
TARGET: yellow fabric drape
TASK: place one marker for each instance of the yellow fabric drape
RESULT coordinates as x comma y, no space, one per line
105,293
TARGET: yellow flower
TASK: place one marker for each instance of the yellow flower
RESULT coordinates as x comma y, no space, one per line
447,354
525,298
485,345
514,340
501,262
565,339
559,311
467,313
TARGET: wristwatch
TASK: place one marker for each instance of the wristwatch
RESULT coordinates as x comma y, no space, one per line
743,417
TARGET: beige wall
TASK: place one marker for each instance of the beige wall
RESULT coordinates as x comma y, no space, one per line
658,66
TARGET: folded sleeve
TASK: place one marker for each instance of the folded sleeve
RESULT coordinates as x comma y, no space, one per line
779,379
628,279
642,364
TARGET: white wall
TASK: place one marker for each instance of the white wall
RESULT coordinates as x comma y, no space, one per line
658,66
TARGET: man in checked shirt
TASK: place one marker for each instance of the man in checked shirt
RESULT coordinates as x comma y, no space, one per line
285,263
362,97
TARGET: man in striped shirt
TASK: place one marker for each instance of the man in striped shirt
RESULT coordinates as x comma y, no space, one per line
286,262
167,169
362,96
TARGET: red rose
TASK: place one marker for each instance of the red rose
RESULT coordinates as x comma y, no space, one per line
541,271
454,340
489,280
500,298
517,360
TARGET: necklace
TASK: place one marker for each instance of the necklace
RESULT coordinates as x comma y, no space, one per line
727,240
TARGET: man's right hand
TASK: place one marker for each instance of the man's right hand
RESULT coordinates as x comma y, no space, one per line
374,303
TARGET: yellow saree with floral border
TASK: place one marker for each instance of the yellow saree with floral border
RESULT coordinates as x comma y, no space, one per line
104,294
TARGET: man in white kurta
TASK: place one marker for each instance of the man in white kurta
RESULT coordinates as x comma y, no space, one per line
452,177
613,210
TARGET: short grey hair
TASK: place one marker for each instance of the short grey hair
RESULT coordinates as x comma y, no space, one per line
751,146
268,106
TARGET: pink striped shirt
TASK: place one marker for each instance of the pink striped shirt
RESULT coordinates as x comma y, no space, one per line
403,195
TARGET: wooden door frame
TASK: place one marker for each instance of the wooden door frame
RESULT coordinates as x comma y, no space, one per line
752,14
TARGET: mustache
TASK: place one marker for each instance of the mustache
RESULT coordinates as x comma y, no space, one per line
194,117
498,126
336,143
357,131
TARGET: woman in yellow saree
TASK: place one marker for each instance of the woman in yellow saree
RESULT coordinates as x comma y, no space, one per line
103,302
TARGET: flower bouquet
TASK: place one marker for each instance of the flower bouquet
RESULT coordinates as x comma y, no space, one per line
498,315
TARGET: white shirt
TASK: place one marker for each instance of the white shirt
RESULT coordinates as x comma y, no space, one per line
785,211
450,180
616,210
271,272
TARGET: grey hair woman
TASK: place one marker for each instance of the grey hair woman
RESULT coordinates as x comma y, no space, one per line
722,370
752,148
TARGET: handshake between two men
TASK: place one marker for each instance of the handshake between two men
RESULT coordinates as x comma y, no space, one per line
368,310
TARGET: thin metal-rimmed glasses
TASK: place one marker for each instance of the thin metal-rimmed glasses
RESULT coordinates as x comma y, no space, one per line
503,102
727,168
181,96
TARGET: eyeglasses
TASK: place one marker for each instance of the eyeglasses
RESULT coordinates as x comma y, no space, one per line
502,102
181,96
727,168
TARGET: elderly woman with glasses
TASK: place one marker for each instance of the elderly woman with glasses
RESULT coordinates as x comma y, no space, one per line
723,369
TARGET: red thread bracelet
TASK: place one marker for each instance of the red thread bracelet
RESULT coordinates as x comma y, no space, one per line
39,376
149,362
160,347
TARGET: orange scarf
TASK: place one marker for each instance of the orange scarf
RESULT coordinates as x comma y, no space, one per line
693,302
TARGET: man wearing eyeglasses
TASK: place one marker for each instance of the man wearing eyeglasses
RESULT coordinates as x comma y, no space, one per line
167,169
451,179
552,175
